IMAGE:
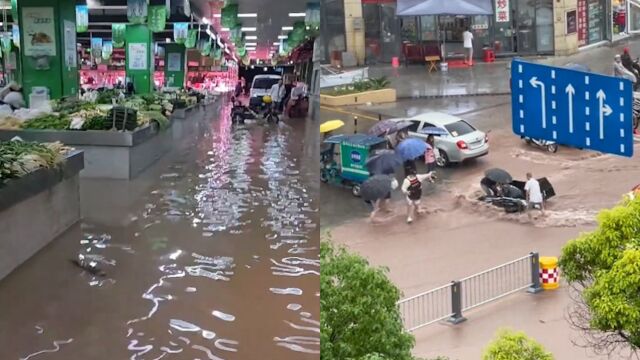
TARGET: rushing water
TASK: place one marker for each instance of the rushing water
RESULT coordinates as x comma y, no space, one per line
217,258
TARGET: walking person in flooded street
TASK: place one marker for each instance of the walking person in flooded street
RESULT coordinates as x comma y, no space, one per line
412,188
534,195
431,154
383,205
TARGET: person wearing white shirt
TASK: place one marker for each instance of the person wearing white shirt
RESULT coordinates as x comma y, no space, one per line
277,93
534,195
467,38
412,188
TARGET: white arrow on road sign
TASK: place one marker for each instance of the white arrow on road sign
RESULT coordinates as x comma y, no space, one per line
570,92
605,110
535,83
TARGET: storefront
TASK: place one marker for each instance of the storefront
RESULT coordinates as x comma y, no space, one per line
382,32
332,23
592,22
522,27
619,19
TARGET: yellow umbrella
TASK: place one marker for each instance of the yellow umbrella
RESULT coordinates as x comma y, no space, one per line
331,125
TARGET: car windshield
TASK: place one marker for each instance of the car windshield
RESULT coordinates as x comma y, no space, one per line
459,128
264,83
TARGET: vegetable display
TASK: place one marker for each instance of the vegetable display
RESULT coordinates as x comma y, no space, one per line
18,158
49,121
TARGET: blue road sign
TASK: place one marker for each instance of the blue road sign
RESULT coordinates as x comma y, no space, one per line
574,108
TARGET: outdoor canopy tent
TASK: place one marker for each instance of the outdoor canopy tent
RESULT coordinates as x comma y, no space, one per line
444,7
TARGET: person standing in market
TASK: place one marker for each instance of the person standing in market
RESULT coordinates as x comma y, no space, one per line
534,195
412,188
467,38
277,94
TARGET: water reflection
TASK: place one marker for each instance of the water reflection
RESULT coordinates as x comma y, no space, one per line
230,221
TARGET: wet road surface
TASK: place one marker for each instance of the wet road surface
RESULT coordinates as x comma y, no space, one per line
210,254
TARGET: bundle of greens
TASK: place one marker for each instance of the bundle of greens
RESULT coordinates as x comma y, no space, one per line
71,105
48,121
154,116
104,97
18,158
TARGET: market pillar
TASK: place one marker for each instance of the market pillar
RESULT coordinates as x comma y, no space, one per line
139,58
566,33
48,42
175,65
354,30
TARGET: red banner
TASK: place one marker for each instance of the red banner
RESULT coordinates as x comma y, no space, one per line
582,22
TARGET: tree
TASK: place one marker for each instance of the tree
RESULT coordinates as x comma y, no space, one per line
515,345
359,318
603,269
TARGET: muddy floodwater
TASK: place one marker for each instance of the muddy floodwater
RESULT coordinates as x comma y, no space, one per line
212,253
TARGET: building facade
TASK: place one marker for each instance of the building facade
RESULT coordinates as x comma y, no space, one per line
371,32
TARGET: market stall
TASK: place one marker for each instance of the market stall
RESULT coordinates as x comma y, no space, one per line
39,197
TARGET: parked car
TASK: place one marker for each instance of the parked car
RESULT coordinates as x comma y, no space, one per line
461,142
260,87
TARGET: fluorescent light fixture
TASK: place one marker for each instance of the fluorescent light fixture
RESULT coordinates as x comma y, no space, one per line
276,43
241,15
250,44
243,29
297,14
250,48
287,28
251,37
282,37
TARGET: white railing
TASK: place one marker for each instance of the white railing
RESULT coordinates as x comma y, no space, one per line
448,301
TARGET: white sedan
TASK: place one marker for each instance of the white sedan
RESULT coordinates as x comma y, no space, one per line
459,141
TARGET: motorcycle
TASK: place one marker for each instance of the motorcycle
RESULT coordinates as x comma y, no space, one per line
240,113
551,146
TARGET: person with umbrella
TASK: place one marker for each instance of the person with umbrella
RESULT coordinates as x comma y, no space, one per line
412,188
376,189
384,163
493,180
409,150
430,154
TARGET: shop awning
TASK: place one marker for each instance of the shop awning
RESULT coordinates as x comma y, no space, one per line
443,7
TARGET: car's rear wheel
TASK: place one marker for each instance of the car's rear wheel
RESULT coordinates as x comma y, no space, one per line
443,159
355,190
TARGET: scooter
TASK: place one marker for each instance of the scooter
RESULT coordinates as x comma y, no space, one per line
551,146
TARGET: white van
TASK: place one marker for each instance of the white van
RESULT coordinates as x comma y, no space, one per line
261,86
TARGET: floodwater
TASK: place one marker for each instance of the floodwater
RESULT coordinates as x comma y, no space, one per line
210,254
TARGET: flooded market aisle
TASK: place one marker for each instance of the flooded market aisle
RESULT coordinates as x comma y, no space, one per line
210,254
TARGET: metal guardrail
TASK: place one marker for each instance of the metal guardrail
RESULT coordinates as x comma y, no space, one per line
449,301
426,308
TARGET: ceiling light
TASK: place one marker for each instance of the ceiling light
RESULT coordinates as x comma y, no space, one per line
250,44
243,15
251,37
282,37
249,29
250,48
297,14
276,44
287,28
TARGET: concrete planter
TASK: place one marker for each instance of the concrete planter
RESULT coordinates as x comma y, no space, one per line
107,154
374,97
37,208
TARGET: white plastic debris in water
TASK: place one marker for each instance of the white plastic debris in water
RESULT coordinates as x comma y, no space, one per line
223,316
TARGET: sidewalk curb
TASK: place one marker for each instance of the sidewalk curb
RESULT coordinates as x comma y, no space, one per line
452,96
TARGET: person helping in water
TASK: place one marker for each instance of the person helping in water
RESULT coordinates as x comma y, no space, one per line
412,188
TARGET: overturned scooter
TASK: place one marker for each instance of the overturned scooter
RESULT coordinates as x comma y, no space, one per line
551,146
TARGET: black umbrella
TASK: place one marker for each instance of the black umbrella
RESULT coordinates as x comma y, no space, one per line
498,175
384,163
376,187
